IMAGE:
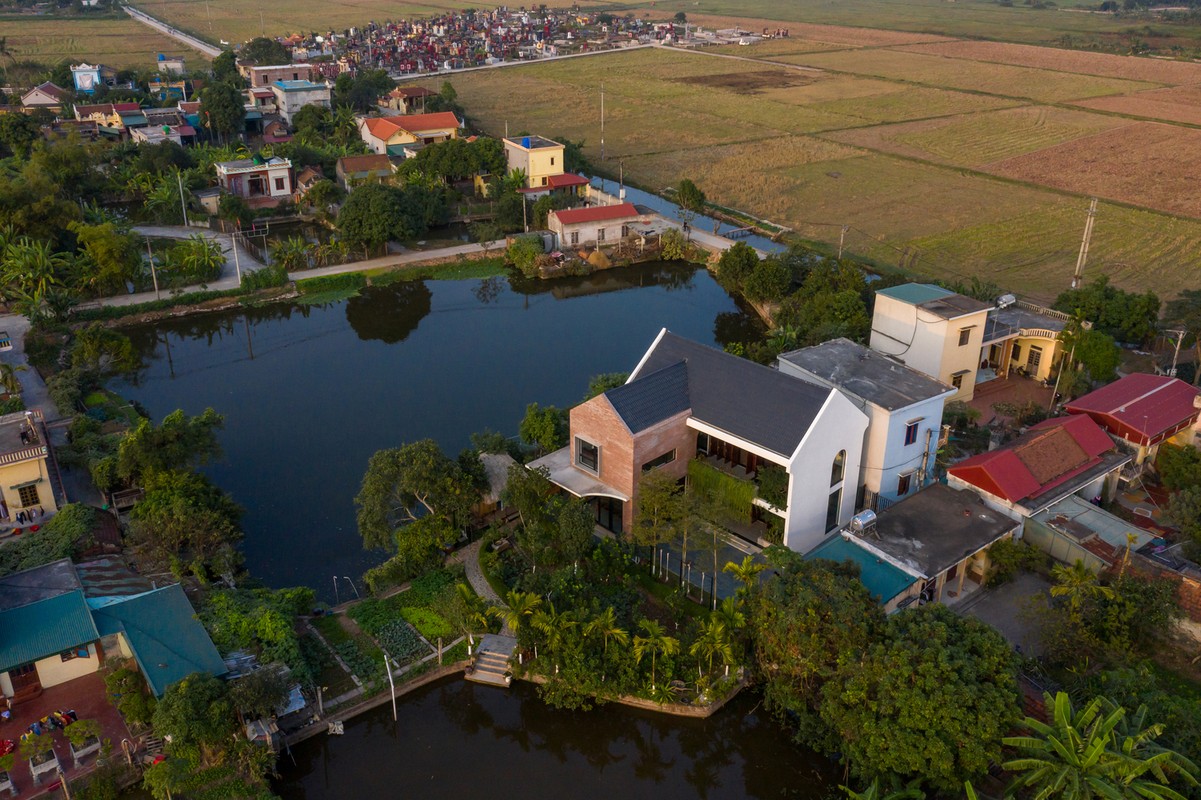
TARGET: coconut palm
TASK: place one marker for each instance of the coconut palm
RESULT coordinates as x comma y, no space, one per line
605,626
746,573
713,642
518,606
1095,753
895,791
656,642
1078,584
8,377
555,626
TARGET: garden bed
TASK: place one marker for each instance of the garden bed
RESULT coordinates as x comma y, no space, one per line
358,652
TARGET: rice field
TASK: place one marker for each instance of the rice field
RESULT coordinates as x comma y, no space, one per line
116,41
1177,104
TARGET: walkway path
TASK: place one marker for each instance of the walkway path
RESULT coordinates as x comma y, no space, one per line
469,556
179,36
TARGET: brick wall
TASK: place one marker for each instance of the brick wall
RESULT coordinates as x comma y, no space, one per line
1188,586
671,434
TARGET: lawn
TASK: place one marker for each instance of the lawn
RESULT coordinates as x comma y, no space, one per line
116,41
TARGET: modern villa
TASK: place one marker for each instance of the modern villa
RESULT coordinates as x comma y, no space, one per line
690,409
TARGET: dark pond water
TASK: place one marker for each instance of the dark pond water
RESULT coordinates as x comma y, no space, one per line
458,740
309,393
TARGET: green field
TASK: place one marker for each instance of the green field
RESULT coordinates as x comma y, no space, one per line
115,41
903,165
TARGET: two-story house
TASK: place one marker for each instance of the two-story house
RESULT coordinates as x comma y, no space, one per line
903,406
933,330
541,161
291,96
690,407
265,75
26,490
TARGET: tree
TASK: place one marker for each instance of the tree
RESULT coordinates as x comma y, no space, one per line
1090,357
178,443
1185,312
195,712
225,68
1125,316
1078,585
769,281
680,18
187,522
18,132
102,350
110,257
406,484
713,642
518,606
544,427
221,109
736,265
260,693
32,267
746,573
377,213
1095,752
1184,509
599,384
662,511
605,626
448,94
931,700
263,51
691,201
654,642
556,626
1179,466
8,377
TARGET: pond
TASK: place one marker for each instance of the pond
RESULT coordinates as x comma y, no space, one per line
458,740
310,392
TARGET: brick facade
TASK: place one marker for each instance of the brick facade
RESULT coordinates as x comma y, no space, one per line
1188,585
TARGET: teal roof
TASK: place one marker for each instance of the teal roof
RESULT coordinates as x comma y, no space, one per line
914,293
167,640
44,628
883,580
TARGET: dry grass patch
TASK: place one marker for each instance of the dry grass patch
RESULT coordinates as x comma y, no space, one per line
1178,104
907,103
972,76
777,47
830,34
1110,66
119,42
1144,163
978,139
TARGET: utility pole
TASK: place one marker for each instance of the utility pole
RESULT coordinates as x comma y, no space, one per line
392,684
602,90
1088,235
842,237
1176,352
183,204
233,238
153,272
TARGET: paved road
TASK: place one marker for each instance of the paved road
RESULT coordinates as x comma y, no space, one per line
179,36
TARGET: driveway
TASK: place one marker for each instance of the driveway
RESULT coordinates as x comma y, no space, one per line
1005,609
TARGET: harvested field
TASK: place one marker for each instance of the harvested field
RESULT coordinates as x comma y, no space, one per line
1143,163
1155,70
1178,104
973,76
116,41
778,47
978,139
829,34
907,102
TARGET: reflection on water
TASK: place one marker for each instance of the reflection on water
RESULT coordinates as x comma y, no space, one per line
458,740
310,392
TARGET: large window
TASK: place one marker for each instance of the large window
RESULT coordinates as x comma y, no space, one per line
28,496
832,509
840,465
911,432
587,455
659,461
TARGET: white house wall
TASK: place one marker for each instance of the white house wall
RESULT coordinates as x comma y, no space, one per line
840,425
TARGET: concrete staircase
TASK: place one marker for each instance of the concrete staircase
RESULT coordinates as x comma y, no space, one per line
491,664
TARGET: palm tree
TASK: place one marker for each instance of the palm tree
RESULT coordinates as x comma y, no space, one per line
714,641
1095,754
746,573
605,626
1078,584
518,606
555,625
656,642
8,377
291,254
731,614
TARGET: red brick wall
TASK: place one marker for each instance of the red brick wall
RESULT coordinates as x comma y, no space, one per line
1188,588
671,434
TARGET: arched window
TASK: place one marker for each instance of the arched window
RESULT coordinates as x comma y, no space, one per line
840,463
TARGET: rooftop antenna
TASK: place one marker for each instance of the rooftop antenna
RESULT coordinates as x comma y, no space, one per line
1088,235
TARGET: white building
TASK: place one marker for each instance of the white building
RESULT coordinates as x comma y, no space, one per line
933,330
259,181
903,406
291,96
593,226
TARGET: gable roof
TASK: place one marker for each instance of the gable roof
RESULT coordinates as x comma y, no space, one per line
43,628
867,374
652,399
49,89
1140,407
1049,455
576,216
166,639
935,299
737,396
369,163
387,127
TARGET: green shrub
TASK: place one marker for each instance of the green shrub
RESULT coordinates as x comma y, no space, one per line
773,485
1008,557
401,641
332,283
66,535
265,278
429,624
523,253
127,691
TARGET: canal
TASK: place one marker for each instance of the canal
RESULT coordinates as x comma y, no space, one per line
457,740
310,392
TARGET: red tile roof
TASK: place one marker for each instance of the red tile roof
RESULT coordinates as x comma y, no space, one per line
565,180
387,127
1140,408
50,89
1050,453
576,216
369,163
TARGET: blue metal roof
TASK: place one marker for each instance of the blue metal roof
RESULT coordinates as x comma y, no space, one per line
167,640
883,580
44,628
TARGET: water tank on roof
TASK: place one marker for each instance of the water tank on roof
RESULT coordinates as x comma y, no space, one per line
162,57
863,521
525,142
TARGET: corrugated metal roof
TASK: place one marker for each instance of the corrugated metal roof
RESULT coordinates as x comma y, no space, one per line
650,400
44,628
167,640
1140,404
